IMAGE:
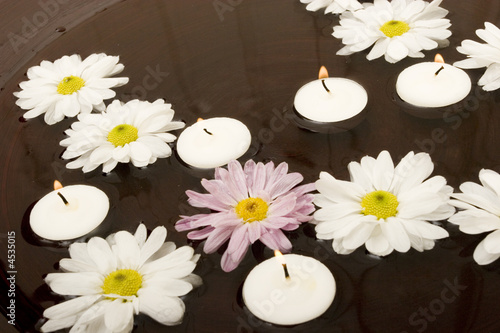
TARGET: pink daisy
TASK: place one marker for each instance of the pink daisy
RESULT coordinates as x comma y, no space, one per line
252,203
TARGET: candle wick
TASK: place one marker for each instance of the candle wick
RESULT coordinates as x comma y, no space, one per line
287,276
324,85
439,70
207,131
63,198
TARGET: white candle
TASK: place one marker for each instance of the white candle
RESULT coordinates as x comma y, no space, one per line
305,295
86,208
433,84
213,142
330,99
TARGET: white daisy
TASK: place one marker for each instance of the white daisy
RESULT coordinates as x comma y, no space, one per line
384,207
332,6
480,212
116,278
483,55
398,29
69,86
132,132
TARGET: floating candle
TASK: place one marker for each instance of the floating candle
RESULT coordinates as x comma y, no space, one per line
330,99
69,212
289,291
433,84
213,142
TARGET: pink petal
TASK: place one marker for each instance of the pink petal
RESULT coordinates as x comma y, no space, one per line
258,180
239,240
282,206
235,190
218,190
285,184
236,250
270,175
216,239
303,189
278,222
254,231
248,169
227,263
238,177
200,234
280,170
276,240
290,227
206,200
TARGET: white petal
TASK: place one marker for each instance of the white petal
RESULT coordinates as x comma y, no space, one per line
336,211
182,254
85,283
475,221
180,271
346,224
70,307
424,229
338,190
127,250
412,205
337,247
492,242
118,315
101,154
396,235
161,307
153,244
377,243
70,265
122,154
194,279
483,257
141,234
171,287
383,171
358,236
102,255
397,50
53,325
378,49
139,154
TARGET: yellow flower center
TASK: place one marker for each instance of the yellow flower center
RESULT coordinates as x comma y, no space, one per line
394,28
123,282
70,84
382,204
123,134
252,209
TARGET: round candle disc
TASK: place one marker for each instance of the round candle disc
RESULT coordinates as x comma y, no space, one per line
86,209
345,99
420,86
306,295
213,142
